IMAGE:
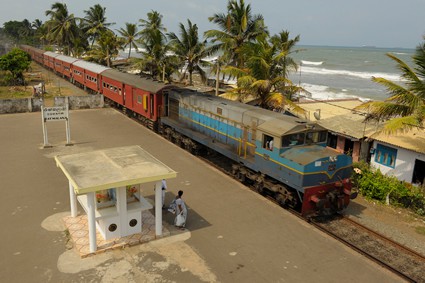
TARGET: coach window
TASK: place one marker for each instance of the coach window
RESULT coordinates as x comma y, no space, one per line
139,99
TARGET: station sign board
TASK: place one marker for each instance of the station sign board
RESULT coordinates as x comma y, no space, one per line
55,113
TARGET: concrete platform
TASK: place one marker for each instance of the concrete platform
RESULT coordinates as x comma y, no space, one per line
233,234
79,232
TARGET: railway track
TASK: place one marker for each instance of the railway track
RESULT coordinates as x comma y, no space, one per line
402,261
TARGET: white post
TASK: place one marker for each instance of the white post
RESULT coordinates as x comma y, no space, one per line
217,78
91,221
73,200
46,142
158,208
122,210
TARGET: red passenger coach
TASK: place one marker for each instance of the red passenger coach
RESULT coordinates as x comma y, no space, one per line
35,53
63,65
49,59
87,75
113,86
140,95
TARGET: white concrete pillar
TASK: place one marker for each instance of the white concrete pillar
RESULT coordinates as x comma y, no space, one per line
68,128
122,210
91,221
29,105
46,141
158,208
73,200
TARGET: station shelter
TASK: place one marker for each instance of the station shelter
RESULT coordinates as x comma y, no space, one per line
107,183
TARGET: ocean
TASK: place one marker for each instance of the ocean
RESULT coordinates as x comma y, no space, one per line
346,72
328,72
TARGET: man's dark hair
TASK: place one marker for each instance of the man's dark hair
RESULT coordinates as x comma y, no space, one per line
180,193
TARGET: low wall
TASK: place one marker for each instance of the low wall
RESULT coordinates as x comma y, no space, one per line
21,105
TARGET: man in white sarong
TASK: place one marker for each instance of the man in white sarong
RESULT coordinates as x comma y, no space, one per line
181,211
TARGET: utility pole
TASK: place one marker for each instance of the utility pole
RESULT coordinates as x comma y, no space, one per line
217,78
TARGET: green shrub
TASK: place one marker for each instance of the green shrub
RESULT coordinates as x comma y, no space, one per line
372,184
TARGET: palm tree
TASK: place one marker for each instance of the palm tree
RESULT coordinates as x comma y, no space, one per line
286,45
190,50
152,27
129,34
95,22
36,24
26,30
405,108
39,29
155,59
62,27
264,76
236,28
106,49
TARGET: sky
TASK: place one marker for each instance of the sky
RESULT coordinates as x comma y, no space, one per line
389,23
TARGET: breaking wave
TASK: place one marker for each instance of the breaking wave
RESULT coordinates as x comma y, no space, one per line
362,75
312,63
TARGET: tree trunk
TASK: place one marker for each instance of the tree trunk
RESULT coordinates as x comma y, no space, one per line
108,59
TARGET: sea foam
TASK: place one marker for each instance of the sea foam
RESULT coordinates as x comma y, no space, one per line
321,92
362,75
312,63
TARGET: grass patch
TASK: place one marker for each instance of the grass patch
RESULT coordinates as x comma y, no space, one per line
420,230
15,92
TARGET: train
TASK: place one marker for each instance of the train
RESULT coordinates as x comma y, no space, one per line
281,156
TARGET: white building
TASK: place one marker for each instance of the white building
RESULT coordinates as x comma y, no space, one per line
402,155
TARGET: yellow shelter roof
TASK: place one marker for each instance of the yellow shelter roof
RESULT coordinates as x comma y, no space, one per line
112,168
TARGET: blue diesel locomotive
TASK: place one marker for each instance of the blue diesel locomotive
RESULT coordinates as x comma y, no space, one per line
283,156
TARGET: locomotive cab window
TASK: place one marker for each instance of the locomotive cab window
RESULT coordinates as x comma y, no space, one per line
315,137
268,142
294,139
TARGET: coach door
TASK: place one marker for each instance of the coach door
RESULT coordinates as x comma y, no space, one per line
128,91
151,105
